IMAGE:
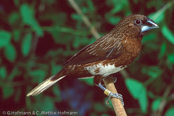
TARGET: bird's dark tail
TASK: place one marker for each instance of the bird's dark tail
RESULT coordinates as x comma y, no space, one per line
44,85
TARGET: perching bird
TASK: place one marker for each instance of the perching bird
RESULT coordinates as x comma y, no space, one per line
108,55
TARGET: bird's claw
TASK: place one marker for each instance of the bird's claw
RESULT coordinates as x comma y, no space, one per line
110,94
114,79
116,95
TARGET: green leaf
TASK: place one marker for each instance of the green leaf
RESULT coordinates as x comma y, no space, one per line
4,38
84,9
28,18
138,91
16,34
117,8
171,58
46,104
170,112
114,20
10,53
163,50
134,87
119,5
7,92
168,34
37,29
76,42
91,5
55,68
151,95
26,44
57,35
76,17
16,71
148,38
153,71
27,14
38,75
142,99
157,17
3,72
13,18
56,91
89,81
156,103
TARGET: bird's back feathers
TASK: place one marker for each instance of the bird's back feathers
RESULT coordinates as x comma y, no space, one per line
107,47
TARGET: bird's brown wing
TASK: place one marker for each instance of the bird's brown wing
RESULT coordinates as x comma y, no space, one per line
104,48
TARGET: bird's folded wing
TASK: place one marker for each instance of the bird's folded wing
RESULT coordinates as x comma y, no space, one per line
104,48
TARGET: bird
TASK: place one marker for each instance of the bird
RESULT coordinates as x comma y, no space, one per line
109,54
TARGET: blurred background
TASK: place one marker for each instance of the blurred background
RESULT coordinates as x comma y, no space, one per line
38,36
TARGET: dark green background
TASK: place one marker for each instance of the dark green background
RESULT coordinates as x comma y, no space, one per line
38,36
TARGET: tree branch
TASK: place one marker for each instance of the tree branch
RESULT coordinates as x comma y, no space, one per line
118,107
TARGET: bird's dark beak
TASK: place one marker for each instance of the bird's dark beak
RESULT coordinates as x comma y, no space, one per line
148,25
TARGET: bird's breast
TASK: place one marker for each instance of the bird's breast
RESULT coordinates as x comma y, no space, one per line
132,46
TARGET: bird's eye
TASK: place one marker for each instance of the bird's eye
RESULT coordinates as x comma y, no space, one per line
138,22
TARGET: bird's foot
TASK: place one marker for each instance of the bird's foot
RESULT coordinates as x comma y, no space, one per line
113,78
116,95
110,94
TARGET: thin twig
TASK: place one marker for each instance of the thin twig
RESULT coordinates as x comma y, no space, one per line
164,101
118,108
163,9
85,19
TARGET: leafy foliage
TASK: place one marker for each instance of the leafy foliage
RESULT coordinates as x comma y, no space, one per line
26,43
169,112
139,92
4,38
168,34
37,37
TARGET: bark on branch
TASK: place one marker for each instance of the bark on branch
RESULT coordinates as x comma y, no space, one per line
117,105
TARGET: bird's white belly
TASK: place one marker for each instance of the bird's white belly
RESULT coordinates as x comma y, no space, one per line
104,70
